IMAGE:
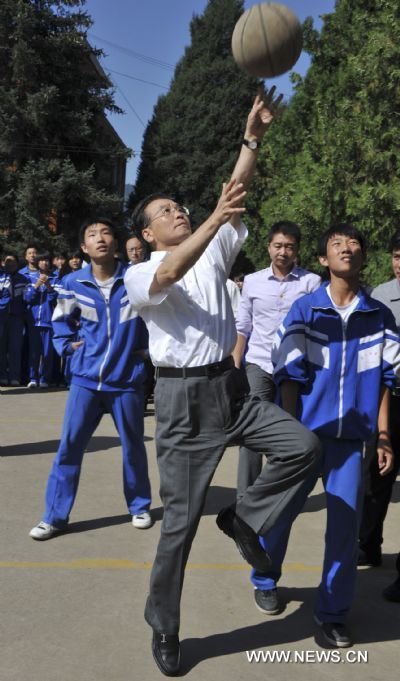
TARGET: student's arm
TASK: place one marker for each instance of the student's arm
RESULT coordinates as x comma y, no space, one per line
290,396
384,447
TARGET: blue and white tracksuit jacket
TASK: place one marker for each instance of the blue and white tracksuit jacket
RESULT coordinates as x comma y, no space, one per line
107,376
111,332
340,369
41,301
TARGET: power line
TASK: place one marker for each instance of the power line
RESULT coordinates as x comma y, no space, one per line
129,104
135,55
141,80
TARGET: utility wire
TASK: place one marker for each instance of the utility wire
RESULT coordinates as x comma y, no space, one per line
135,55
141,80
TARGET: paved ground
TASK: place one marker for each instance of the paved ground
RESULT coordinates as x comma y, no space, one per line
72,607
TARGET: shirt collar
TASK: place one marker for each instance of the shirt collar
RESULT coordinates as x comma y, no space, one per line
294,272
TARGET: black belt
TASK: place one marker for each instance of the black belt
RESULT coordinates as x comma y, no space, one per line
191,372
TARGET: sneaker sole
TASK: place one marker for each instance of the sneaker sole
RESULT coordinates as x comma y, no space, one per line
332,641
269,612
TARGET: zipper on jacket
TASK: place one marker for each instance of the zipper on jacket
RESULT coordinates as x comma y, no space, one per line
108,314
341,380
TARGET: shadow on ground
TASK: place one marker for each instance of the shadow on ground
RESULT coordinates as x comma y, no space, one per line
97,443
372,619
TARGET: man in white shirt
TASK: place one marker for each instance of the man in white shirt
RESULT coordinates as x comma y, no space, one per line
200,397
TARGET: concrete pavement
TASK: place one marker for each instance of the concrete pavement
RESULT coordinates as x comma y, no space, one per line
72,607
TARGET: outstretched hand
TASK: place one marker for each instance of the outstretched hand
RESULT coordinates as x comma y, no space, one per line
230,202
265,108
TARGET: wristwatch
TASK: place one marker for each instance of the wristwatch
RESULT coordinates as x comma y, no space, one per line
252,144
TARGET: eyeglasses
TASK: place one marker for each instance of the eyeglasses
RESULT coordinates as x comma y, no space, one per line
135,250
166,212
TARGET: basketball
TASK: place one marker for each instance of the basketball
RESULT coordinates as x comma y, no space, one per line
267,40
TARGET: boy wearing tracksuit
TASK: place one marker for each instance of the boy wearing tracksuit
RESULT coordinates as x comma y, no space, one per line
40,295
12,313
107,376
336,358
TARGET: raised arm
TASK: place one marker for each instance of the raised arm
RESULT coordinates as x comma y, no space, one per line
261,115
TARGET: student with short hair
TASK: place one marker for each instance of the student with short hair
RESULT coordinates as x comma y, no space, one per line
107,376
336,359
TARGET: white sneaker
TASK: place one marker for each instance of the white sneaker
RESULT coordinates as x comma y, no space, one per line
32,384
43,531
15,384
43,385
142,521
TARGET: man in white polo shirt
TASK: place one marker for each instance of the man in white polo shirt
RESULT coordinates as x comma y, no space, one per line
200,398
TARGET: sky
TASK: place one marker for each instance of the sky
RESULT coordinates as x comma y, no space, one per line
144,39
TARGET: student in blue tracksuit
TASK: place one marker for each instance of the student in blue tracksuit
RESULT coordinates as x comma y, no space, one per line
12,285
107,376
41,295
336,358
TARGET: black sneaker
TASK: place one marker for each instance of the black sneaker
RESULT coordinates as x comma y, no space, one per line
246,540
369,559
392,592
268,601
335,633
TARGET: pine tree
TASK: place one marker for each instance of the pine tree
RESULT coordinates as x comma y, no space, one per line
334,157
54,163
192,141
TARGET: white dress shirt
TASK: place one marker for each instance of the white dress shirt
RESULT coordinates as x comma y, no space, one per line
191,322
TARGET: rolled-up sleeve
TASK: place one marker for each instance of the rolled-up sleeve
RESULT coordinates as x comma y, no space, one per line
244,317
138,280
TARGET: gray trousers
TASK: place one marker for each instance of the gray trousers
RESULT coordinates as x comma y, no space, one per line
250,463
197,418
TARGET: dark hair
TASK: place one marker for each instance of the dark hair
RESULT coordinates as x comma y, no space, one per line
59,254
30,246
137,235
139,218
94,220
287,228
43,256
340,229
394,243
76,254
240,276
10,254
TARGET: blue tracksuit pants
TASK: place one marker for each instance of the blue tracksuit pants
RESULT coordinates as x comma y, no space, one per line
342,468
83,413
40,354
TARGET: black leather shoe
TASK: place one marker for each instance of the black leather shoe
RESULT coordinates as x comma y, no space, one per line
246,540
167,653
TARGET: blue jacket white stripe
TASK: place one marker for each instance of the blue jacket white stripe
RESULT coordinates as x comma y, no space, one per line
41,301
112,333
340,369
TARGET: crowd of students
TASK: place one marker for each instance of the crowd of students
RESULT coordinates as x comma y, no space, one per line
28,297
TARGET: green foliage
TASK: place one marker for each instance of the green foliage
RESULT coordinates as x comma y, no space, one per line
193,139
54,158
334,155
